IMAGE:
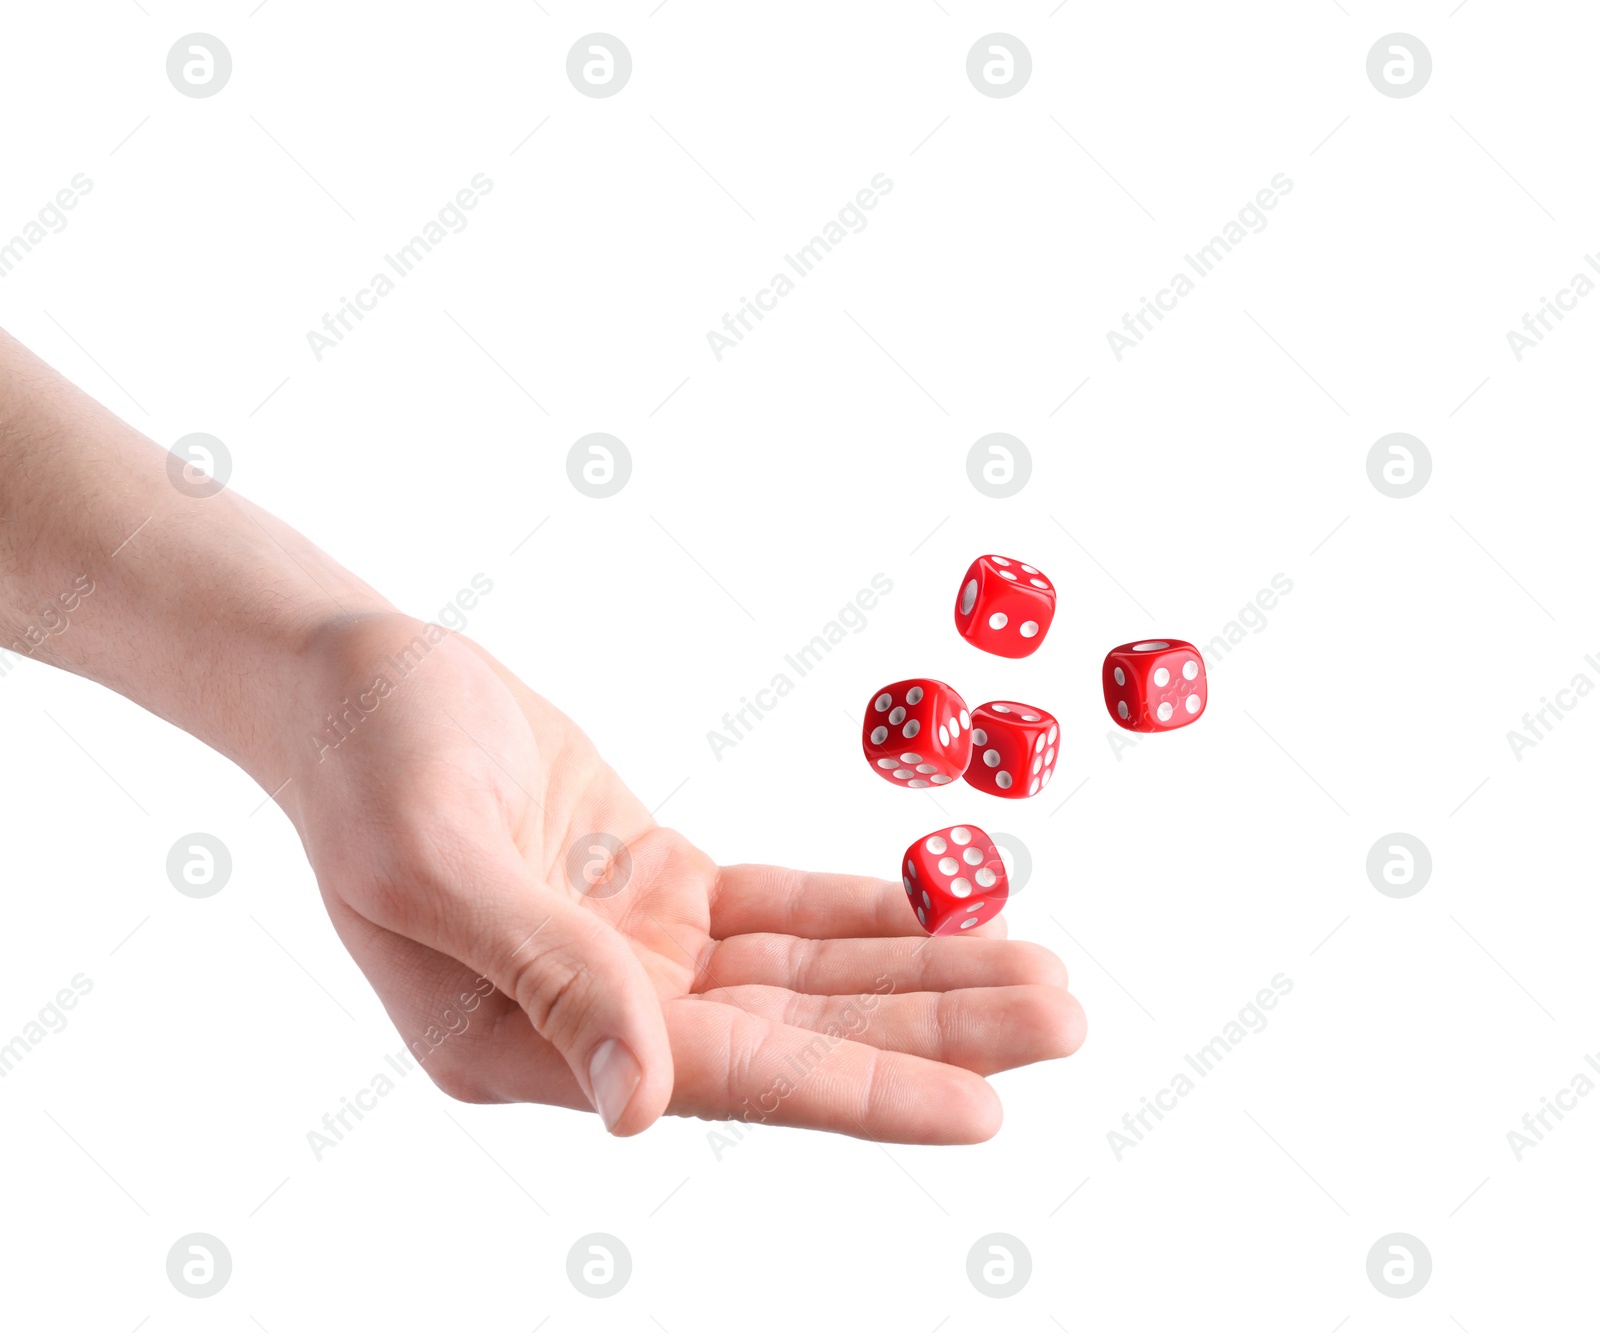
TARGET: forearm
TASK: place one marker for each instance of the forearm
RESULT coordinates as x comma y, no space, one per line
192,607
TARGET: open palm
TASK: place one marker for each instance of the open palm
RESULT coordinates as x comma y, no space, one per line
453,832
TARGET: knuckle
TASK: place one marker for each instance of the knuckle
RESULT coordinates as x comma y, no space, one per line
556,992
745,1055
942,1026
398,902
874,1092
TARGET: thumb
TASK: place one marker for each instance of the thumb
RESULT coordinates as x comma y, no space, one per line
584,991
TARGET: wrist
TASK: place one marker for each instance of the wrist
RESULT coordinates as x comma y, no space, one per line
273,687
195,604
321,695
215,625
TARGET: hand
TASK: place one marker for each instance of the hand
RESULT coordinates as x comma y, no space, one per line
439,811
439,827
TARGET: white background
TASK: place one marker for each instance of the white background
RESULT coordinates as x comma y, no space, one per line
1176,881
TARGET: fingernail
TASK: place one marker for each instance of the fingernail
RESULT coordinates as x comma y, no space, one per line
613,1076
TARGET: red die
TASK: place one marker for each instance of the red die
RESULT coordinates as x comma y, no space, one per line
1154,685
917,733
1013,749
1004,607
955,879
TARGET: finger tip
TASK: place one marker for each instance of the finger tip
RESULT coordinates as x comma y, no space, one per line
644,1108
1069,1026
991,1118
628,1096
973,1112
1080,1025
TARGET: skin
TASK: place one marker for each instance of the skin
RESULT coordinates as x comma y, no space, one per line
439,831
